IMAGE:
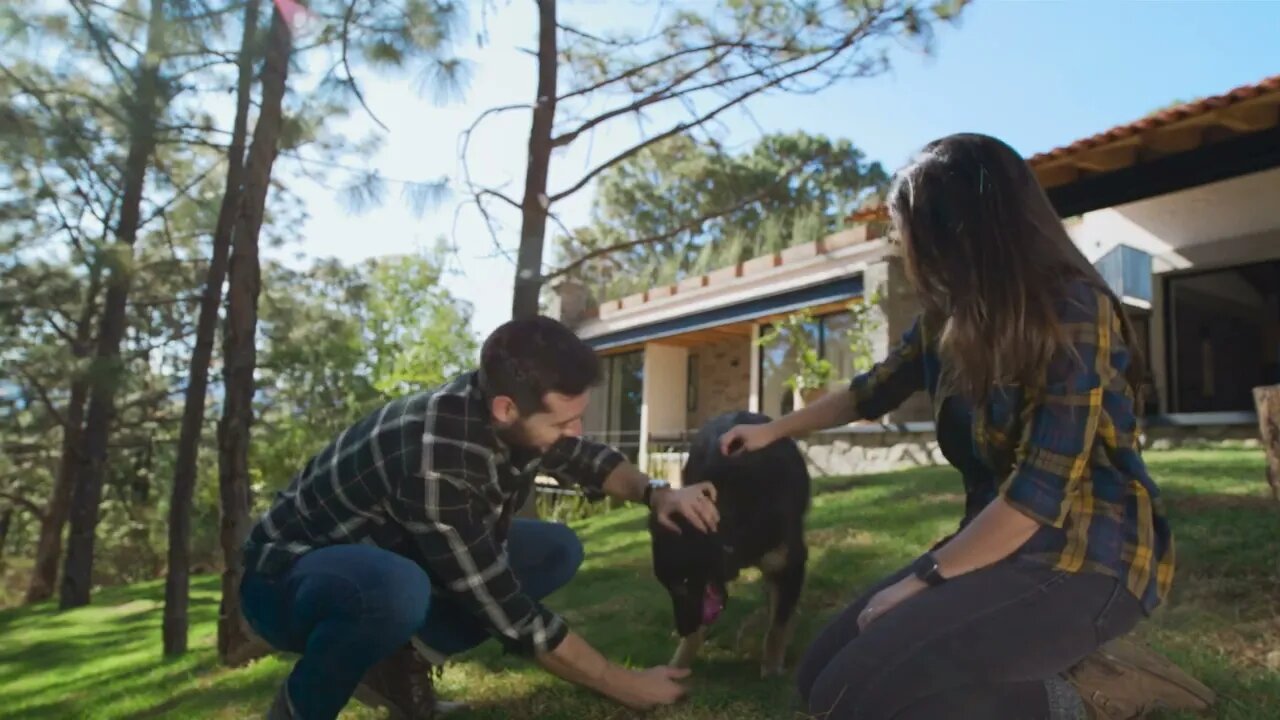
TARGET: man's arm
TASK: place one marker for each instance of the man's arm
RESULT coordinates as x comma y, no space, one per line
590,465
602,470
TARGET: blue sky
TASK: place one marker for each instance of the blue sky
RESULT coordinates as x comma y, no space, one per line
1037,74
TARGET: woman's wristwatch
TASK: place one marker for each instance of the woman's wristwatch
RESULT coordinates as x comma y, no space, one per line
926,568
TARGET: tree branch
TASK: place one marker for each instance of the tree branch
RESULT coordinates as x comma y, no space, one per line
100,41
652,98
504,198
61,331
25,503
44,397
674,232
182,191
346,64
607,41
834,52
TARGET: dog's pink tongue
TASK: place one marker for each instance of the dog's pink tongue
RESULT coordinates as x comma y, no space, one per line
712,604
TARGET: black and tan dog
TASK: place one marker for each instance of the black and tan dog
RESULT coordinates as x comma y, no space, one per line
762,498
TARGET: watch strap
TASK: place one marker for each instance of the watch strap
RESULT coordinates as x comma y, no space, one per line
926,568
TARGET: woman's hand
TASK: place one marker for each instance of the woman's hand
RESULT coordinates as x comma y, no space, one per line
745,438
889,598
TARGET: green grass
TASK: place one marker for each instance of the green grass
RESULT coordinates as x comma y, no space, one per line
1222,623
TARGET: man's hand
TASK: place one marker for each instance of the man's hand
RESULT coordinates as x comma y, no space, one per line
889,598
644,689
576,661
697,503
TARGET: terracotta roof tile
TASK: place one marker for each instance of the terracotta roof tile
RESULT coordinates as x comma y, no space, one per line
1156,120
1168,116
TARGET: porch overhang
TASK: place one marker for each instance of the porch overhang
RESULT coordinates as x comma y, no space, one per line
1205,141
1196,143
834,290
1223,160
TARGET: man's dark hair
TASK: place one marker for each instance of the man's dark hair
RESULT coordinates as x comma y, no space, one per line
527,358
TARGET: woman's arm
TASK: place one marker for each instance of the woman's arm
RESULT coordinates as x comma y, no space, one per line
994,534
879,390
1053,456
831,410
1057,442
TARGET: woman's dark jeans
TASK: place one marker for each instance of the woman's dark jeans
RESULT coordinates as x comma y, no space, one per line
981,646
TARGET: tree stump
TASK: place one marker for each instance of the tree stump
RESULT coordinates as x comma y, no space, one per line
1267,400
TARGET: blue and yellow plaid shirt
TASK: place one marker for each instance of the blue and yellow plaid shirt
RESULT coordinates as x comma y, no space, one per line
1066,453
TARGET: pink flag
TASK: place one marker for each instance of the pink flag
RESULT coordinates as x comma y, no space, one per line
293,12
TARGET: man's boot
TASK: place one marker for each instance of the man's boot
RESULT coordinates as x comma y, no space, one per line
400,682
1123,680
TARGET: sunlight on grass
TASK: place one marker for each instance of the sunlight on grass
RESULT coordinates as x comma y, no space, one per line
1222,623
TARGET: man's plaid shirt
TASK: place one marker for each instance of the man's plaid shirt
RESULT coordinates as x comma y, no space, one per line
426,476
1066,453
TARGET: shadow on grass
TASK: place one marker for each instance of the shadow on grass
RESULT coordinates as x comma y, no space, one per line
105,689
202,702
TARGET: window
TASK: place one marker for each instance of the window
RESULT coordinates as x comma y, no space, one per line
613,415
831,334
1223,336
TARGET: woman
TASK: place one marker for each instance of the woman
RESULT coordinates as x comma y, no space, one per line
1030,364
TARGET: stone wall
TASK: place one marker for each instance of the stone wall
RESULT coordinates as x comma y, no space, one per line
871,449
857,452
723,370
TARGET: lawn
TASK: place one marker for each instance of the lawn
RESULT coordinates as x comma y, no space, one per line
1222,623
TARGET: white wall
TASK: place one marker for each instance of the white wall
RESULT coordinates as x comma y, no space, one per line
666,369
1224,223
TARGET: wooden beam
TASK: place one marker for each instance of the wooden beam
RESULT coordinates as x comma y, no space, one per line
1108,158
1175,139
1059,173
1249,118
1221,160
621,350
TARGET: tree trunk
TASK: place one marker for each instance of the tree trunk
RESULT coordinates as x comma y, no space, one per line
6,518
44,575
236,643
77,574
177,581
533,226
1267,400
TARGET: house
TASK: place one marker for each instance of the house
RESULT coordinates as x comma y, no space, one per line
1179,210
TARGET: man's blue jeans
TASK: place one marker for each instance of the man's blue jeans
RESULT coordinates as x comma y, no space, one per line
345,607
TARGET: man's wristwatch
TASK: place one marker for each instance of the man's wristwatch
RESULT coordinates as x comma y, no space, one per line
926,568
654,484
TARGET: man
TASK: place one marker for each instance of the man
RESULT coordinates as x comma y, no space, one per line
399,535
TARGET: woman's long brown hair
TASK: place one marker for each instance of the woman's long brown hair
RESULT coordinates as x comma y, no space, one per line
987,252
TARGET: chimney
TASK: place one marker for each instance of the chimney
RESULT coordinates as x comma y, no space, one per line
572,303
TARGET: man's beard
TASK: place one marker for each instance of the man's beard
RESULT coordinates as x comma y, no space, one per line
515,436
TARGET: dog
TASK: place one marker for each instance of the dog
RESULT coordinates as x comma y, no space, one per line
763,498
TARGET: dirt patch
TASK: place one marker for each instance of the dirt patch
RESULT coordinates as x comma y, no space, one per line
1255,644
134,607
828,538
